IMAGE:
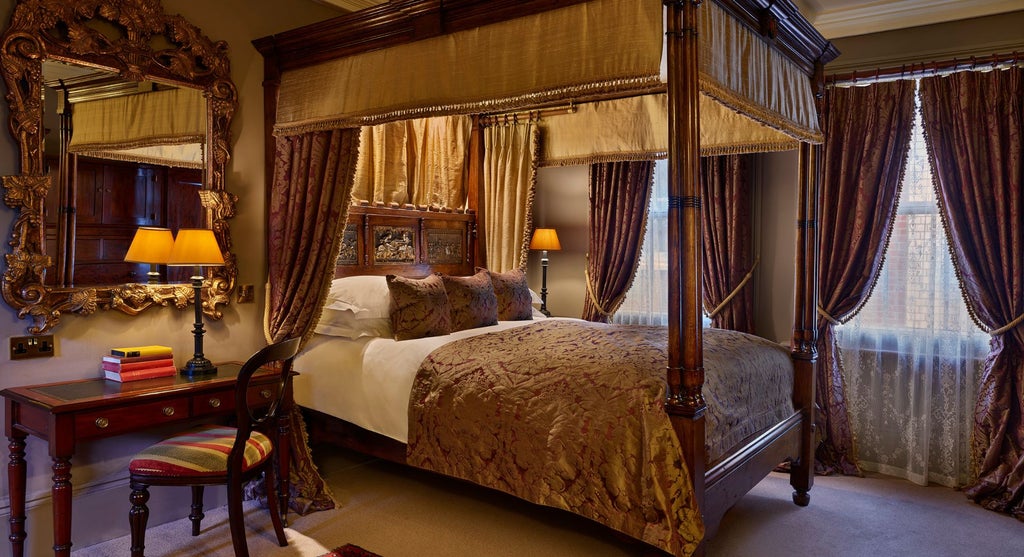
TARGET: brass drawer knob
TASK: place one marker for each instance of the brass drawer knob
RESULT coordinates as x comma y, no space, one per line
168,410
102,423
266,393
214,403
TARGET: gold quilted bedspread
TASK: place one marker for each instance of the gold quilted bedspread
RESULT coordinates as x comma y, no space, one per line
563,414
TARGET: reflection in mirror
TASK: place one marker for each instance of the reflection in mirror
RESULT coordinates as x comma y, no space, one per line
122,154
78,204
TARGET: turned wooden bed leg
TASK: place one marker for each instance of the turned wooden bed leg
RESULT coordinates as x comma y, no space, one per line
805,336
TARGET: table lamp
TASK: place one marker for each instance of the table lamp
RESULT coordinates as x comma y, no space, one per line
196,247
544,239
153,246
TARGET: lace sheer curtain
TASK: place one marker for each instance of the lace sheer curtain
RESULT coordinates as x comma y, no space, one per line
912,358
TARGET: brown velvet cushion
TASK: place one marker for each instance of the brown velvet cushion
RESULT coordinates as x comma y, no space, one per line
419,307
472,300
513,293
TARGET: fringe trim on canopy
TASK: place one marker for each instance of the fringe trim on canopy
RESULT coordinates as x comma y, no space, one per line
633,85
710,87
603,158
125,157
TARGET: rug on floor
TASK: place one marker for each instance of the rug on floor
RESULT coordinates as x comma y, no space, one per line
349,550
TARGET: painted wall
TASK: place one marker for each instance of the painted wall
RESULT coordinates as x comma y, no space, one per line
980,37
99,470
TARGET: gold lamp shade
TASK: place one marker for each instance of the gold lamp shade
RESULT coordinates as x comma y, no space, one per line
545,239
150,245
195,246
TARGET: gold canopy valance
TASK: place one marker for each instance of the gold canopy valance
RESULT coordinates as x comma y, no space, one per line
753,99
165,127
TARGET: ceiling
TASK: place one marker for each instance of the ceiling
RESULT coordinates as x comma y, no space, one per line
843,18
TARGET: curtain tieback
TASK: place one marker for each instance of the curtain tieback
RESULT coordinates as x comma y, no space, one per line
593,297
1008,326
828,317
736,290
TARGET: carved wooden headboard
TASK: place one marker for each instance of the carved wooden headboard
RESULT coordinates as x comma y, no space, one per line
407,240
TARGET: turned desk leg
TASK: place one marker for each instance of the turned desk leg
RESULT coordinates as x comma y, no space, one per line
16,488
283,466
61,506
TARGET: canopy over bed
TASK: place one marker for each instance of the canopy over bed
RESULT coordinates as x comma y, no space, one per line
636,80
753,98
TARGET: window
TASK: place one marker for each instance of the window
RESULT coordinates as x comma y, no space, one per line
912,357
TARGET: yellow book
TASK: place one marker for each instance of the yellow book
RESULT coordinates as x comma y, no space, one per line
136,351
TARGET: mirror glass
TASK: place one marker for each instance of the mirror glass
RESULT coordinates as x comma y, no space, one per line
133,156
122,114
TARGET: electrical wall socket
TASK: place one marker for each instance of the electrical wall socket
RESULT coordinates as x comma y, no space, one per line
38,346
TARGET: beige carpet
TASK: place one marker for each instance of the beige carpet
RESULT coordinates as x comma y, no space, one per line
399,512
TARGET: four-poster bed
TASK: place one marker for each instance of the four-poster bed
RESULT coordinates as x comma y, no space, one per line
323,77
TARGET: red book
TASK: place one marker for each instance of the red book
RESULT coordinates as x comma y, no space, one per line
131,366
138,374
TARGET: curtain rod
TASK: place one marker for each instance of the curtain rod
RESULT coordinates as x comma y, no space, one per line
499,117
921,69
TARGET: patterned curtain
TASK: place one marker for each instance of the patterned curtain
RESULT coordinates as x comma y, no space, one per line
309,200
728,254
510,179
619,195
867,131
973,125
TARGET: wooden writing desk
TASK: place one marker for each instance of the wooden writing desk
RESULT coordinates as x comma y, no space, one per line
68,412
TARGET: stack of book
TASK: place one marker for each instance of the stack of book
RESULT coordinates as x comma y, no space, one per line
138,362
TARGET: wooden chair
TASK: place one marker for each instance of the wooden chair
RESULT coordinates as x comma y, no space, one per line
212,455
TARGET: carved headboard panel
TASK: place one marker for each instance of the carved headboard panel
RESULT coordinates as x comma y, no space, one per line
409,241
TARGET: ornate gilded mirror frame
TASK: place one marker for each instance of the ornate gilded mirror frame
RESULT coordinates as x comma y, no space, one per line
136,39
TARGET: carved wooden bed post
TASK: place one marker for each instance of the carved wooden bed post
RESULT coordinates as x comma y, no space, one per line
805,328
684,401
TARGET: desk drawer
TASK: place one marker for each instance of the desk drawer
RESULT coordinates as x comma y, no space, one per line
223,400
103,423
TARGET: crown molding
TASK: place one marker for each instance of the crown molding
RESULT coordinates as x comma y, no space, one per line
886,16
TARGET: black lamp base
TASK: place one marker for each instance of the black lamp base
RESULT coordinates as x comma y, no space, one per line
198,366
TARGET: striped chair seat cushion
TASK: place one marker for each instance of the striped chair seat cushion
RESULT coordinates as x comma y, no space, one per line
200,452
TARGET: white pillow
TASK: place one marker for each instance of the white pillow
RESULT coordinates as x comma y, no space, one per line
367,295
357,306
535,298
340,320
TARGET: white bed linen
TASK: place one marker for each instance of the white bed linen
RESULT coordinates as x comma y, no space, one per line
368,381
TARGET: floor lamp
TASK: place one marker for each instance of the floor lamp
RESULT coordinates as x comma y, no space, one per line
196,247
153,246
544,239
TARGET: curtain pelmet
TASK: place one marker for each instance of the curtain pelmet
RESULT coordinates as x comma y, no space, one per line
753,99
159,127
